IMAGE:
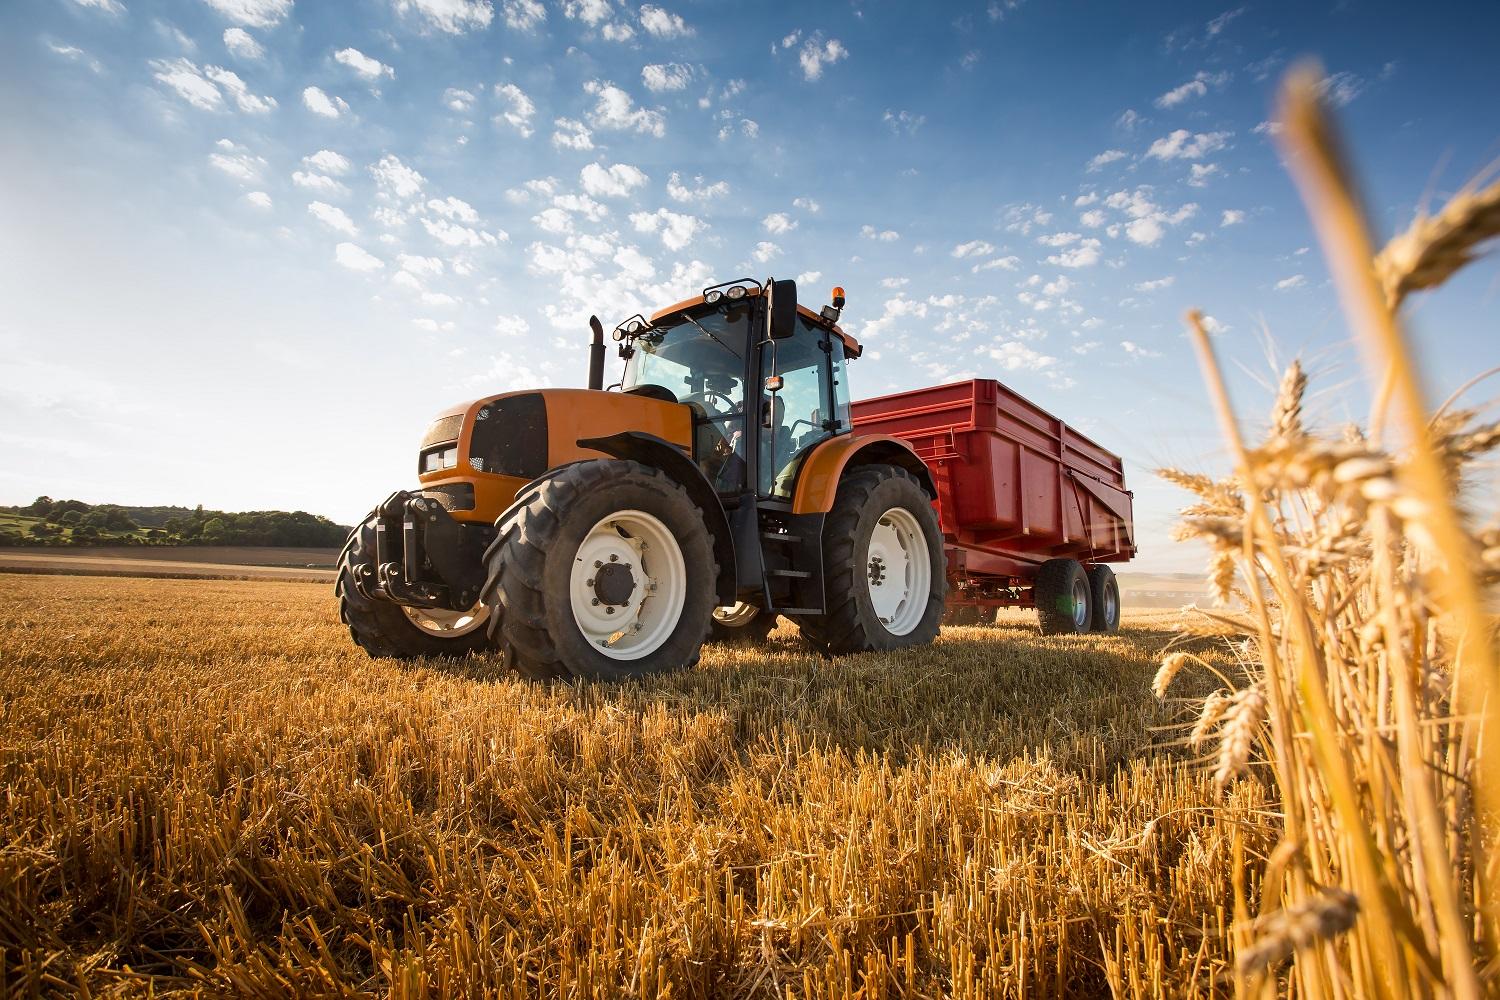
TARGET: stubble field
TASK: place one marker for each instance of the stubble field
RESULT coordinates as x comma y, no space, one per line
209,788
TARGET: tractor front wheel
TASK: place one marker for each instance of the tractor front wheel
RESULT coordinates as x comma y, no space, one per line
884,572
381,628
603,569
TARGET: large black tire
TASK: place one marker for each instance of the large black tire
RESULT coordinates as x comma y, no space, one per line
851,624
531,561
1060,586
1104,594
751,631
381,628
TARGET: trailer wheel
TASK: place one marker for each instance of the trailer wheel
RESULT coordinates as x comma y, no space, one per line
884,572
741,623
603,569
1104,592
1064,605
381,628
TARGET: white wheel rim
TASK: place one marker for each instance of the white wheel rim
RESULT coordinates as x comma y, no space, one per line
628,585
898,571
445,624
1081,603
736,614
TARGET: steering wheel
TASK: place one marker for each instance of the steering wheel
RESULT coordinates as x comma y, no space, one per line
707,398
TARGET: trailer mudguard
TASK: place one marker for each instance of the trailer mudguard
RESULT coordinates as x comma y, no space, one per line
822,471
659,453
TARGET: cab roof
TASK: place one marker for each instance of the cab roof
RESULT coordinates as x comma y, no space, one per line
852,348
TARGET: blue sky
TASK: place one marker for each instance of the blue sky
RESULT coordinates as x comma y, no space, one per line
251,246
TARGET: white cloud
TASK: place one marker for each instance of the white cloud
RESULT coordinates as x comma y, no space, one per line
809,277
634,263
356,258
1287,284
1093,218
1196,87
1132,348
458,100
678,191
666,76
778,223
1155,285
1023,217
75,53
333,217
1083,254
322,104
1232,217
764,251
252,13
974,248
1128,120
1340,89
1012,355
676,230
572,134
615,181
108,6
242,45
904,121
452,16
1267,128
395,180
236,161
615,110
1221,22
1184,145
453,208
663,23
521,110
581,204
1201,172
422,267
817,54
1146,231
237,89
617,31
997,264
879,235
365,66
438,299
259,199
1085,199
454,235
328,162
523,15
1059,239
320,183
553,220
590,12
1106,157
807,205
191,85
894,282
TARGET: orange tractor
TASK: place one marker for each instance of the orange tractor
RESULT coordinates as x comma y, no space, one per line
606,533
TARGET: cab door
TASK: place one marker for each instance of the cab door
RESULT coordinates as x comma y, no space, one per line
811,406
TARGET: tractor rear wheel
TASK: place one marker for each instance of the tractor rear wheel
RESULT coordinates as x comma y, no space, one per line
884,572
741,623
381,628
1104,589
1064,604
602,569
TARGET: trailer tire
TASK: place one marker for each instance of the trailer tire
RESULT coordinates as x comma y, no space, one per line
611,512
868,498
382,628
1063,602
1104,594
735,625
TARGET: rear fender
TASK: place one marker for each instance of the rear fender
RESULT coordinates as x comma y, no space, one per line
648,449
823,470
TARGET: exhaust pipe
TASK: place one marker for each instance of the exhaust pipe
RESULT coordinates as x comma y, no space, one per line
596,354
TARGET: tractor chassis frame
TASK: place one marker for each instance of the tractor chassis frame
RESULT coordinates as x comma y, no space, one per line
424,558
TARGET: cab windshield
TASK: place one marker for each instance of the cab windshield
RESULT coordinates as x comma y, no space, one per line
697,358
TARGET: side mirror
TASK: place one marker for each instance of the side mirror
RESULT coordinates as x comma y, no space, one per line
783,308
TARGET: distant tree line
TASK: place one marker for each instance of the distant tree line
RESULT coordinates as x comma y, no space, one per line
45,521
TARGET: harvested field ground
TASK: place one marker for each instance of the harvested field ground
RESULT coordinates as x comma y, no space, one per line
209,788
217,562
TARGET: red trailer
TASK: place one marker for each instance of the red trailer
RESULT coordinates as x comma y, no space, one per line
1031,510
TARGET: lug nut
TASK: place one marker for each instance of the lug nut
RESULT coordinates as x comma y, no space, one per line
595,602
609,610
613,557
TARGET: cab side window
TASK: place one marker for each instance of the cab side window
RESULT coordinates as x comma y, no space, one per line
793,420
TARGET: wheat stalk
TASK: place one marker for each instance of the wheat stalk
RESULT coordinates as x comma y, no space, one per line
1435,247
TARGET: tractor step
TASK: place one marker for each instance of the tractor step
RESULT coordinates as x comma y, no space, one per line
789,574
775,536
796,611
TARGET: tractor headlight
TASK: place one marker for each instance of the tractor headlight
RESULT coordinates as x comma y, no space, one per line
736,293
439,459
713,296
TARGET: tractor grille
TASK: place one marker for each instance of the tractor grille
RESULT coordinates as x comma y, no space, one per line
510,437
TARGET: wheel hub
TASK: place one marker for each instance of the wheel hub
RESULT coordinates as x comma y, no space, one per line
613,584
877,571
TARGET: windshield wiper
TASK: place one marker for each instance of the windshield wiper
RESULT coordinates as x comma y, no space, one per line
711,334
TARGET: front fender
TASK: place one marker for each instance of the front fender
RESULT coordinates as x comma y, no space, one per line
823,470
